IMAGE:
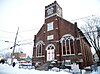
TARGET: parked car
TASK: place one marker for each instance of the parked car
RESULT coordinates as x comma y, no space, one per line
25,65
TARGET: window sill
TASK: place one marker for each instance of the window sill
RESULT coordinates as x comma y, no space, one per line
79,53
58,55
68,54
39,56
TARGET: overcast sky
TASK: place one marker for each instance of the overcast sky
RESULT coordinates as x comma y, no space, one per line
29,16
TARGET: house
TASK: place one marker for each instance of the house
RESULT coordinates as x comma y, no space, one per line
96,58
60,40
19,56
22,55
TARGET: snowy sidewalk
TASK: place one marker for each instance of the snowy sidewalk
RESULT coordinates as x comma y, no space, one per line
6,69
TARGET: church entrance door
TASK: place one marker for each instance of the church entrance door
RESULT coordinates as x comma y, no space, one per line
50,53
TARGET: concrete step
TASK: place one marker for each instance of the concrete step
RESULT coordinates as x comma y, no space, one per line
44,66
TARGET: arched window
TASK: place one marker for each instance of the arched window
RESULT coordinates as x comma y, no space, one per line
67,44
39,47
50,47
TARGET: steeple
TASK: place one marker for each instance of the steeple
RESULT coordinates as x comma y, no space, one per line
52,10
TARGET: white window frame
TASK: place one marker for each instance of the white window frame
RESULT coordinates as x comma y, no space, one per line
67,37
50,37
50,11
50,26
40,45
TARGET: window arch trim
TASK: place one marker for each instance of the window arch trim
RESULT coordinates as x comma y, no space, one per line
39,42
49,46
39,48
66,37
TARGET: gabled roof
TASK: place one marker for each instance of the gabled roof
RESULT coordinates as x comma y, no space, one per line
40,29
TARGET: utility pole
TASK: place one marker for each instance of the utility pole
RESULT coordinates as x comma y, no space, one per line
12,56
98,36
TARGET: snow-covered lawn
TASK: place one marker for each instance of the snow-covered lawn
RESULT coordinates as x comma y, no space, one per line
6,69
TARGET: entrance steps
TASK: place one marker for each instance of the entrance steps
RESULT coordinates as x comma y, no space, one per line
44,66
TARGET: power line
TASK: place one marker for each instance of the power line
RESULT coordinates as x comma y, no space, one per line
39,28
7,41
25,40
28,30
6,37
28,43
5,49
6,31
83,17
20,31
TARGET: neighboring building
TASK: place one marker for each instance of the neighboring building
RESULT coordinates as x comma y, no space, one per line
16,55
22,55
19,56
29,59
96,58
61,40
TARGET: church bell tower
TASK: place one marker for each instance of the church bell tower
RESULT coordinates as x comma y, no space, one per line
52,10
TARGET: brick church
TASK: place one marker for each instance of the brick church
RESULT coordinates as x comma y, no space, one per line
60,40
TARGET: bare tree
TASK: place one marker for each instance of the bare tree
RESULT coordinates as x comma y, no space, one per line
91,30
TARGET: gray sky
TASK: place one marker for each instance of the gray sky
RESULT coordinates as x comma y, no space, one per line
29,16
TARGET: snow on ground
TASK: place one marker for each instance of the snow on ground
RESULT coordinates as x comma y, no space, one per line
93,72
6,69
96,72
